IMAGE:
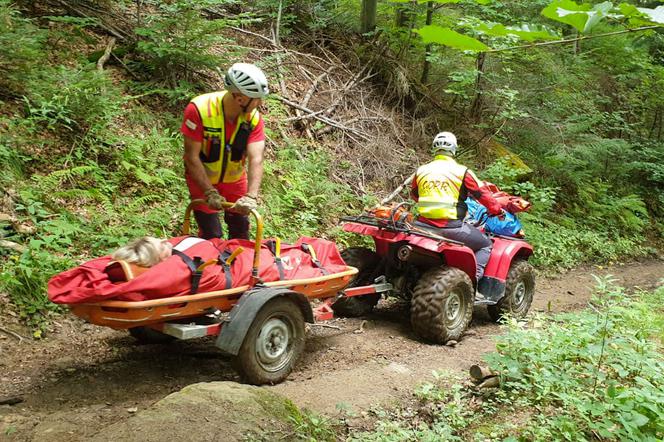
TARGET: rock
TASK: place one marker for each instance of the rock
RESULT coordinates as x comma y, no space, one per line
211,411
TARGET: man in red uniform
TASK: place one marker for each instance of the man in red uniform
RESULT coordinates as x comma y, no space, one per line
441,187
223,132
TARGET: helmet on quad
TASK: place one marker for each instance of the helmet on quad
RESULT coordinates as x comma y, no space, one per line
246,79
444,142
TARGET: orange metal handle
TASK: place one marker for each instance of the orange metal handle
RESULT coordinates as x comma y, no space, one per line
186,226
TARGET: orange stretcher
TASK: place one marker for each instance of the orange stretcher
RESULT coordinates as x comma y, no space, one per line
131,314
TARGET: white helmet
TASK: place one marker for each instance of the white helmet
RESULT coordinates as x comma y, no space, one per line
445,142
246,79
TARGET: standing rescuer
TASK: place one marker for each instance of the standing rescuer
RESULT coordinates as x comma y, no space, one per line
440,189
223,131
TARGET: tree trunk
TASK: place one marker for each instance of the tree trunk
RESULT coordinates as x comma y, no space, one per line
476,107
403,17
368,18
426,67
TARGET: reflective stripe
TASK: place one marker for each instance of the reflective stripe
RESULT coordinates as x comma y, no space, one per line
210,108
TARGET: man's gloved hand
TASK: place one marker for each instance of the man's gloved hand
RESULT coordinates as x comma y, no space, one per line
245,204
214,200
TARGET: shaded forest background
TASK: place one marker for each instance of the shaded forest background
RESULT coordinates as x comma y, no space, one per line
92,94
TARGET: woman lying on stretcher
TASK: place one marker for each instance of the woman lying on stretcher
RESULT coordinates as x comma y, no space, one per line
187,265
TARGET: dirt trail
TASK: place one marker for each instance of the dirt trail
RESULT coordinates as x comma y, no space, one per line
84,377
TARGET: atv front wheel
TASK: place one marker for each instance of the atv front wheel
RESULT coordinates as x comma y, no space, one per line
272,344
442,305
366,261
519,291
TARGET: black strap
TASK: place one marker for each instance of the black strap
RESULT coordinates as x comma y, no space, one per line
239,145
272,247
235,152
193,265
304,246
223,256
224,162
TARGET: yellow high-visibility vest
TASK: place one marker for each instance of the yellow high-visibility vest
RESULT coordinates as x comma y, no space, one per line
214,147
439,186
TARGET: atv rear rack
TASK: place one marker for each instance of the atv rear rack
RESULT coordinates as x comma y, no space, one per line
398,226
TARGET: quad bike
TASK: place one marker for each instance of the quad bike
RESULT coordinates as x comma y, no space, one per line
435,274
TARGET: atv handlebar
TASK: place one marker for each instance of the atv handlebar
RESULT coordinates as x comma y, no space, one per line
226,205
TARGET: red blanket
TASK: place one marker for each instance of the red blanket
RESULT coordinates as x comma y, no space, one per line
172,277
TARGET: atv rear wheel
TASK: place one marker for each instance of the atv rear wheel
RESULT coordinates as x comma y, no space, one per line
366,261
519,291
442,305
273,343
147,335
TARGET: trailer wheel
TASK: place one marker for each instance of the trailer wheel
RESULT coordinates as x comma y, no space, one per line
272,344
442,305
147,335
366,261
519,291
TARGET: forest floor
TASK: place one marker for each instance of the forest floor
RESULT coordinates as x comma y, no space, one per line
81,378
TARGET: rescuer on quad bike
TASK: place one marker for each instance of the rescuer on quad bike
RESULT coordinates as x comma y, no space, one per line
440,189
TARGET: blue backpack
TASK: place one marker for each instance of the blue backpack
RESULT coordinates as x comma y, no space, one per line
510,226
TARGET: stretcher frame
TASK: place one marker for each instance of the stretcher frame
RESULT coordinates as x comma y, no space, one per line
130,314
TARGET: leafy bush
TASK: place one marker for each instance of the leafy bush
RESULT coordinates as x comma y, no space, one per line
299,198
80,100
596,373
590,375
177,42
22,49
566,242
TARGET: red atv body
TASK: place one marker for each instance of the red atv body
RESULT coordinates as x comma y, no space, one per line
437,275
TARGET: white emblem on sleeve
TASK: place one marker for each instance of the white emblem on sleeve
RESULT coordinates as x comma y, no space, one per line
190,124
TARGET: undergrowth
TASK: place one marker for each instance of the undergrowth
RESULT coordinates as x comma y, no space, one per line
589,375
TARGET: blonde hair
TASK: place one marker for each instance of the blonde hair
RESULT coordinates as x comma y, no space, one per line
145,252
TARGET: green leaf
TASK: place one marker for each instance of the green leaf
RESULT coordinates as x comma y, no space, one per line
448,37
582,17
426,1
638,419
655,15
525,32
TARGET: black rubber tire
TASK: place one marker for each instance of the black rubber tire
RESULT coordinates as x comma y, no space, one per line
273,343
519,292
366,261
442,292
147,335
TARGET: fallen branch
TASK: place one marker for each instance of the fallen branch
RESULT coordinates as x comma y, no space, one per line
11,401
491,382
13,334
326,326
361,329
480,373
116,33
325,120
12,246
314,86
397,191
107,54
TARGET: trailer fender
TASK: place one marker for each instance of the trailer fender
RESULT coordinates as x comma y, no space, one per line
235,328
